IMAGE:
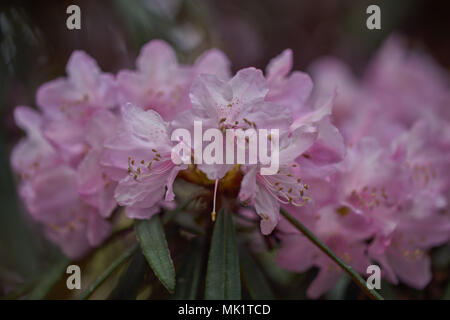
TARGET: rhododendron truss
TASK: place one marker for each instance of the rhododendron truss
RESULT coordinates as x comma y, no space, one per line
362,166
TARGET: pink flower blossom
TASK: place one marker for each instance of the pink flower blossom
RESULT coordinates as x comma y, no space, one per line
291,90
161,84
393,178
294,92
378,193
33,153
49,191
311,134
68,103
52,199
139,158
238,103
266,192
299,254
408,84
93,184
346,203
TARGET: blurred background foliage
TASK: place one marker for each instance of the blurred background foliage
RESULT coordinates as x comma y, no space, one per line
35,46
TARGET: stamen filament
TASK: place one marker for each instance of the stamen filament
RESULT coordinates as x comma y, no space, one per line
213,213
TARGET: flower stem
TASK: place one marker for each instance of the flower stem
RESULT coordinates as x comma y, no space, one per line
354,275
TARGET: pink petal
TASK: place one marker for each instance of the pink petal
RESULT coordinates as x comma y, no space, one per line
280,66
297,253
157,58
33,152
98,230
248,85
207,94
323,282
268,209
146,125
141,213
266,115
213,62
248,186
292,92
82,70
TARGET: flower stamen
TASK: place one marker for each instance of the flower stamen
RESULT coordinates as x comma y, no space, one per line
213,213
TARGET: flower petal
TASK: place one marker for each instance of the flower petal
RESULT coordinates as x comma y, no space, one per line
249,85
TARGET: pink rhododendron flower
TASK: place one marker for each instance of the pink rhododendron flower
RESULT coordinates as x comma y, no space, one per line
393,178
52,199
161,84
311,133
139,158
410,82
299,254
33,153
49,191
235,104
68,103
343,212
94,185
291,90
377,193
266,192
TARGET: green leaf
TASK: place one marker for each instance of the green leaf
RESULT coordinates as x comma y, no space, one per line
222,276
131,279
108,272
253,277
49,279
188,278
155,249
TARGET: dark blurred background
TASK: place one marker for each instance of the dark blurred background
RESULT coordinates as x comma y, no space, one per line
35,46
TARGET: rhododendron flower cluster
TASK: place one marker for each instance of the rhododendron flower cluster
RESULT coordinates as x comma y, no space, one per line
387,200
363,163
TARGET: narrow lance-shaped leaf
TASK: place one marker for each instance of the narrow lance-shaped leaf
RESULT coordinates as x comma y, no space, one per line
223,276
188,278
155,249
49,279
113,267
253,277
131,279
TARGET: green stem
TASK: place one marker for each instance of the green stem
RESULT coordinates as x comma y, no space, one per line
108,272
354,275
